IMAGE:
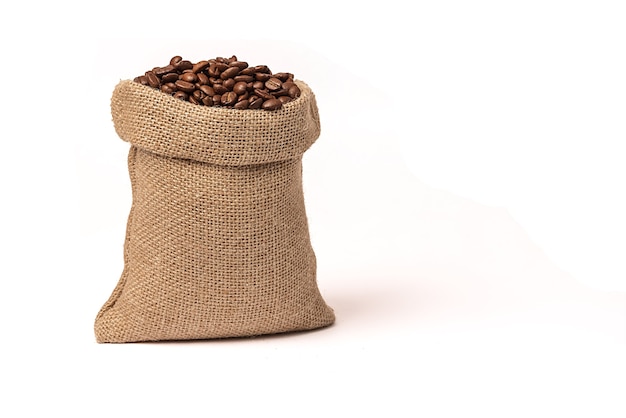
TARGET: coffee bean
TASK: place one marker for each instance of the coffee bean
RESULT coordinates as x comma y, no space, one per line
273,84
294,91
169,78
244,78
208,90
184,65
200,66
240,64
272,104
262,77
240,87
285,99
230,72
263,94
229,98
189,77
255,103
226,82
153,80
203,78
220,89
229,83
185,86
241,105
167,88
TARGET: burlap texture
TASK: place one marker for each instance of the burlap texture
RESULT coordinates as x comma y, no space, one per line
217,242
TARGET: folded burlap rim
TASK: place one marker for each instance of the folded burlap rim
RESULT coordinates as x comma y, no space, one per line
157,122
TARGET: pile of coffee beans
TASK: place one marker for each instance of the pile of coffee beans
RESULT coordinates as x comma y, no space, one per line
225,82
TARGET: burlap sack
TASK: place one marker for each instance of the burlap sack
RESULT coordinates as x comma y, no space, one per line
217,242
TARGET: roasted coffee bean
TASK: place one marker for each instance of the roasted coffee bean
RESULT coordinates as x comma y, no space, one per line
200,66
185,86
248,71
229,98
220,89
294,92
240,64
184,65
153,80
208,90
203,78
229,83
273,84
164,70
283,76
263,94
241,105
193,100
189,77
272,104
167,88
198,94
240,87
285,99
169,78
255,103
230,72
262,77
244,78
225,82
262,69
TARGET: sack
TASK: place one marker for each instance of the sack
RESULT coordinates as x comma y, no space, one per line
217,242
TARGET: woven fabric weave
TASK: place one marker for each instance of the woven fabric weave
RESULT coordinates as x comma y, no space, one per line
217,242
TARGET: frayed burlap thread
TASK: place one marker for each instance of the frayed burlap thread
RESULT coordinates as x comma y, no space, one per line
217,242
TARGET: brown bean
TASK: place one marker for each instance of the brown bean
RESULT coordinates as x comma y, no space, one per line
248,71
180,95
229,83
283,76
230,72
153,80
294,91
229,98
217,100
255,103
240,87
203,78
273,84
184,65
142,80
176,59
208,90
241,105
185,86
189,77
194,100
285,99
220,89
263,94
272,104
208,101
201,65
167,88
262,77
169,78
244,78
240,64
163,70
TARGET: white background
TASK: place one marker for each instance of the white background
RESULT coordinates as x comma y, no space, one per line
466,204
